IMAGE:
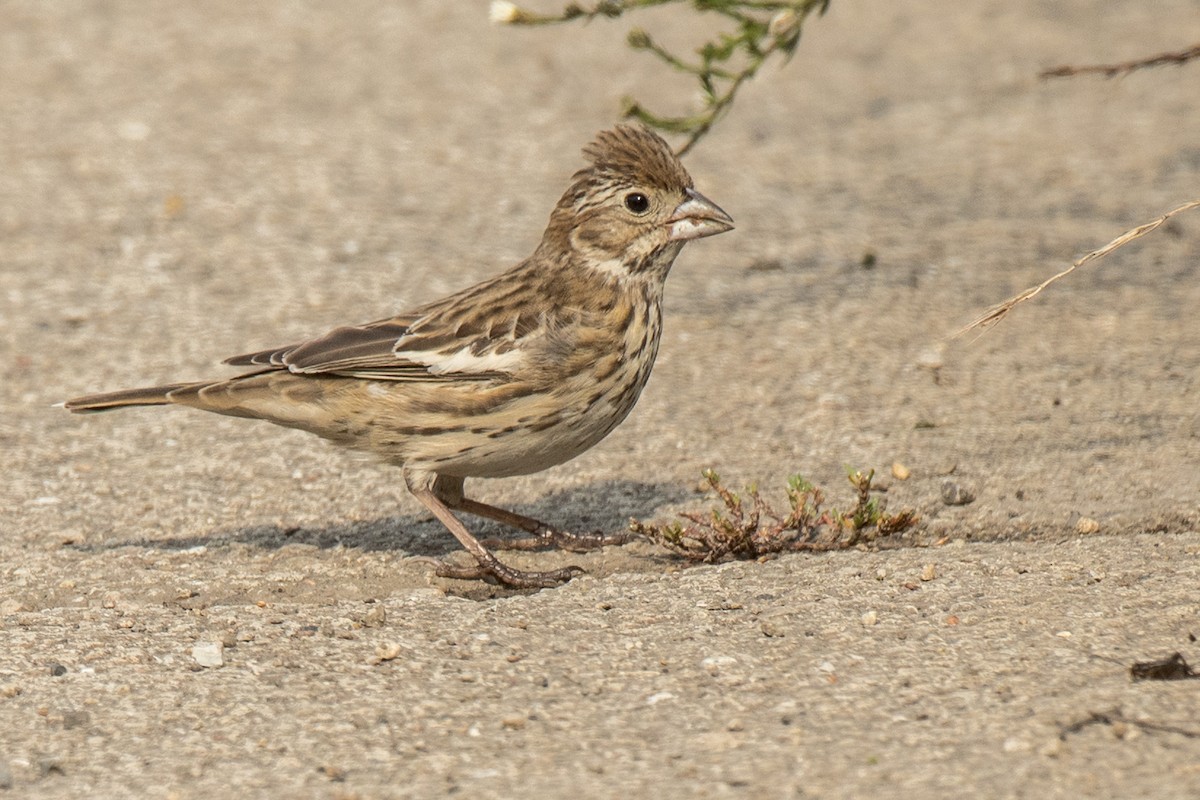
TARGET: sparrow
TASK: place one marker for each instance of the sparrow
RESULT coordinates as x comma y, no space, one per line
514,375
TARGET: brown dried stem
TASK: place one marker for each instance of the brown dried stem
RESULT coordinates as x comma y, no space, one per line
1124,67
999,312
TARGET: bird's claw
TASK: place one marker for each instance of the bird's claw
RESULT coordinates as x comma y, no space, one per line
507,576
551,537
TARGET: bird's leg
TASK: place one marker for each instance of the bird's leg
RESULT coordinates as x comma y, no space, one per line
488,564
450,491
543,535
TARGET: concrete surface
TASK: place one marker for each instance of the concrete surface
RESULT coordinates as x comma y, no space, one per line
203,607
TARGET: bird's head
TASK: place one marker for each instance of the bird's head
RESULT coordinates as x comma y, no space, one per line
631,210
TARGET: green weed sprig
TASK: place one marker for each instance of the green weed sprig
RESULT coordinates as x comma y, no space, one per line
746,527
758,30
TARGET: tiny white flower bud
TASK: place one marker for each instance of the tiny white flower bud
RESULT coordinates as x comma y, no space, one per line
503,12
783,25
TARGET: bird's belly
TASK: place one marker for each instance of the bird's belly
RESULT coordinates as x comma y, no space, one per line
540,442
533,433
519,454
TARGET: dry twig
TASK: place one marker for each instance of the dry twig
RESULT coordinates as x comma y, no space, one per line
1125,67
999,312
1115,717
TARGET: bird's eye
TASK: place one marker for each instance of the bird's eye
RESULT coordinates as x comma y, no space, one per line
637,202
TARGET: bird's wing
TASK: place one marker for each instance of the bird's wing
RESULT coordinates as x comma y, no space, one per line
442,344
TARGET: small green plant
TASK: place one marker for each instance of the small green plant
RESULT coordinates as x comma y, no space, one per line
758,30
746,527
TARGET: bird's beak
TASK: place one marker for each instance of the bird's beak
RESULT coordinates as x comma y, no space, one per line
697,217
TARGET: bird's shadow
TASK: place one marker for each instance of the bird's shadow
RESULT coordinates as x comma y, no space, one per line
606,507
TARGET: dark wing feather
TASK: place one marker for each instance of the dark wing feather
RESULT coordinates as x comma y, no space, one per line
361,351
373,341
419,348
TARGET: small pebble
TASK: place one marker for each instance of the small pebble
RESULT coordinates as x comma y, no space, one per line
58,670
387,651
209,654
900,472
1130,733
955,494
931,358
1052,748
1086,525
713,664
772,628
928,572
870,618
344,629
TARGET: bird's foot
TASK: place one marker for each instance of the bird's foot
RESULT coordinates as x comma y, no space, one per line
547,537
507,576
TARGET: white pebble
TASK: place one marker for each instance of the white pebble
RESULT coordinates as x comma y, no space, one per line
209,654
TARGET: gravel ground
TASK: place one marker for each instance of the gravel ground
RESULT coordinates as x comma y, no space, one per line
196,606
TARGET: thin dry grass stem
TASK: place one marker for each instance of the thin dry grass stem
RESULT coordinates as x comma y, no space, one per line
1123,68
999,312
749,528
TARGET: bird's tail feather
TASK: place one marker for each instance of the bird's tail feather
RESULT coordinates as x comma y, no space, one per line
146,396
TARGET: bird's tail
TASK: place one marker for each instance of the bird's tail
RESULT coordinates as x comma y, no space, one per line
146,396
